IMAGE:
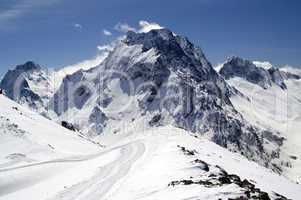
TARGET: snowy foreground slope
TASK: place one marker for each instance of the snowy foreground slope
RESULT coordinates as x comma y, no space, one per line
40,160
26,137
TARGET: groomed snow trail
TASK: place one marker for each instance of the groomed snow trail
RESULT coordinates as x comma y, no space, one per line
35,177
99,186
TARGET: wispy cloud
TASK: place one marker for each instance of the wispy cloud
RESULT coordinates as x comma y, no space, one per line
108,47
144,27
124,27
78,27
106,32
148,26
20,8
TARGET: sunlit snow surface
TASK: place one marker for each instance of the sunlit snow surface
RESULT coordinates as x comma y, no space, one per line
277,110
40,160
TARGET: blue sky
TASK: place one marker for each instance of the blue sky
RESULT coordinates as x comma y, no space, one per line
56,33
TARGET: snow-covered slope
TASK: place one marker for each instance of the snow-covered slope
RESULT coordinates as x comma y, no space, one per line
26,137
60,74
161,163
279,111
273,108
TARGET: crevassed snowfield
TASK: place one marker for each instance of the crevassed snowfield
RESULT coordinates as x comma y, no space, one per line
41,160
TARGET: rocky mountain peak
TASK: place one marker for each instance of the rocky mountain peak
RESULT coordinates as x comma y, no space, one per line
163,79
28,84
175,52
28,66
265,78
239,67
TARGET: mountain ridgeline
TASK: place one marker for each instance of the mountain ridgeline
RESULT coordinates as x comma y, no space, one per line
265,78
154,79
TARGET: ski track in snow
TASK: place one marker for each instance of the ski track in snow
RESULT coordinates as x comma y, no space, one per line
95,188
101,184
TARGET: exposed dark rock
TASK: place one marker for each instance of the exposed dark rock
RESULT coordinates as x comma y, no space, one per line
98,120
221,179
187,151
238,67
155,120
273,138
202,165
294,157
69,126
280,197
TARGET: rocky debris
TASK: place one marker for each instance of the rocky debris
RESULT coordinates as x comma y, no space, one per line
69,126
202,165
155,120
15,108
187,151
222,178
216,176
294,157
8,127
280,197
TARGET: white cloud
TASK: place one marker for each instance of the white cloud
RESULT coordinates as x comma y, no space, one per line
144,27
23,7
148,26
105,47
106,32
78,27
291,69
263,64
124,27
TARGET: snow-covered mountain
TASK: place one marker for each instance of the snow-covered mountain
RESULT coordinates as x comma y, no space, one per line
238,67
159,78
41,160
148,83
34,86
272,107
30,85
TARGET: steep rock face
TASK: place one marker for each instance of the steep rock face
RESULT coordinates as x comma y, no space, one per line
97,119
238,67
28,84
161,78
